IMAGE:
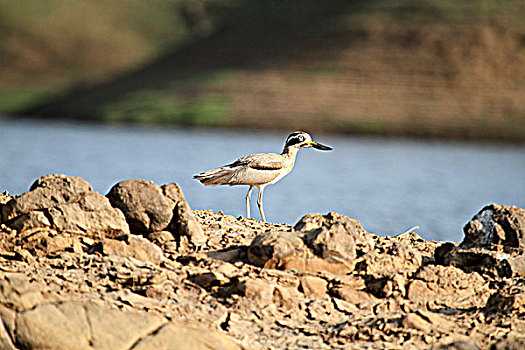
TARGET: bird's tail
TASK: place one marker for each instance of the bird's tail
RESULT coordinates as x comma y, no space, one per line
215,177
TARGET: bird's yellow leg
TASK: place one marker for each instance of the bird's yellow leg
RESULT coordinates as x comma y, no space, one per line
259,202
248,202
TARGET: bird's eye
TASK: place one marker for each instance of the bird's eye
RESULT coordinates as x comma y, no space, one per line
301,138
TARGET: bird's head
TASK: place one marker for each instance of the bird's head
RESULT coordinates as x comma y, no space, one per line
301,139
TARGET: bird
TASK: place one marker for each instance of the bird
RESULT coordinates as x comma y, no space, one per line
260,169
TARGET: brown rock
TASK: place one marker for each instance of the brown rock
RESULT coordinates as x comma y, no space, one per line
415,321
181,336
517,265
209,279
92,216
75,325
316,223
481,260
135,247
334,243
350,294
313,287
448,285
17,293
510,343
508,299
286,297
5,338
311,264
144,205
312,222
46,192
258,290
184,222
386,273
65,204
29,221
287,251
275,246
496,224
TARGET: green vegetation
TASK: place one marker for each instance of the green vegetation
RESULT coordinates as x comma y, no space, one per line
16,99
151,107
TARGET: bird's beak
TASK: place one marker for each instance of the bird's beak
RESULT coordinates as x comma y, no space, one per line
319,146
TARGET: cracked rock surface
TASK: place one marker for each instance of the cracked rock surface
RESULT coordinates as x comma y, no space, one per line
324,283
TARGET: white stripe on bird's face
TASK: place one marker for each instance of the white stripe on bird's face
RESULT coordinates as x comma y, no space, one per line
298,139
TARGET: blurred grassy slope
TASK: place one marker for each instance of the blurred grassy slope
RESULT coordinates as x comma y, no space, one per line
52,45
424,68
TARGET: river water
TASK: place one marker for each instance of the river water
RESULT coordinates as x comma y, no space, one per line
389,185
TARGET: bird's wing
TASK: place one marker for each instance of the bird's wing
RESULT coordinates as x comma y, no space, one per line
256,169
261,161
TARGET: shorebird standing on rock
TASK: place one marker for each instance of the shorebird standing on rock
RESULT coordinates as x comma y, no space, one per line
261,169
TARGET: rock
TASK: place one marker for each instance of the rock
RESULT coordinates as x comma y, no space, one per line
209,279
278,291
287,251
258,290
415,321
134,247
455,343
496,224
75,325
511,343
448,285
5,338
144,205
507,299
481,260
517,265
17,293
275,246
313,287
286,297
92,215
29,221
334,243
64,204
184,222
312,222
7,328
47,192
341,228
4,198
180,336
350,294
386,273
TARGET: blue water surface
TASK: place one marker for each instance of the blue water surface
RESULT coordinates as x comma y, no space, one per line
390,185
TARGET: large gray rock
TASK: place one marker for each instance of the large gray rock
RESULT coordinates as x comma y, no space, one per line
64,204
496,224
144,205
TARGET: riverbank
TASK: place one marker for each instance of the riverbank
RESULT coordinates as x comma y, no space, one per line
138,268
427,69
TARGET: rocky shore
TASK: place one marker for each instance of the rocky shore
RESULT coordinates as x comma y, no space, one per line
138,269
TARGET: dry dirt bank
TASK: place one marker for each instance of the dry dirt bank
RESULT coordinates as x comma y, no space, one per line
138,269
